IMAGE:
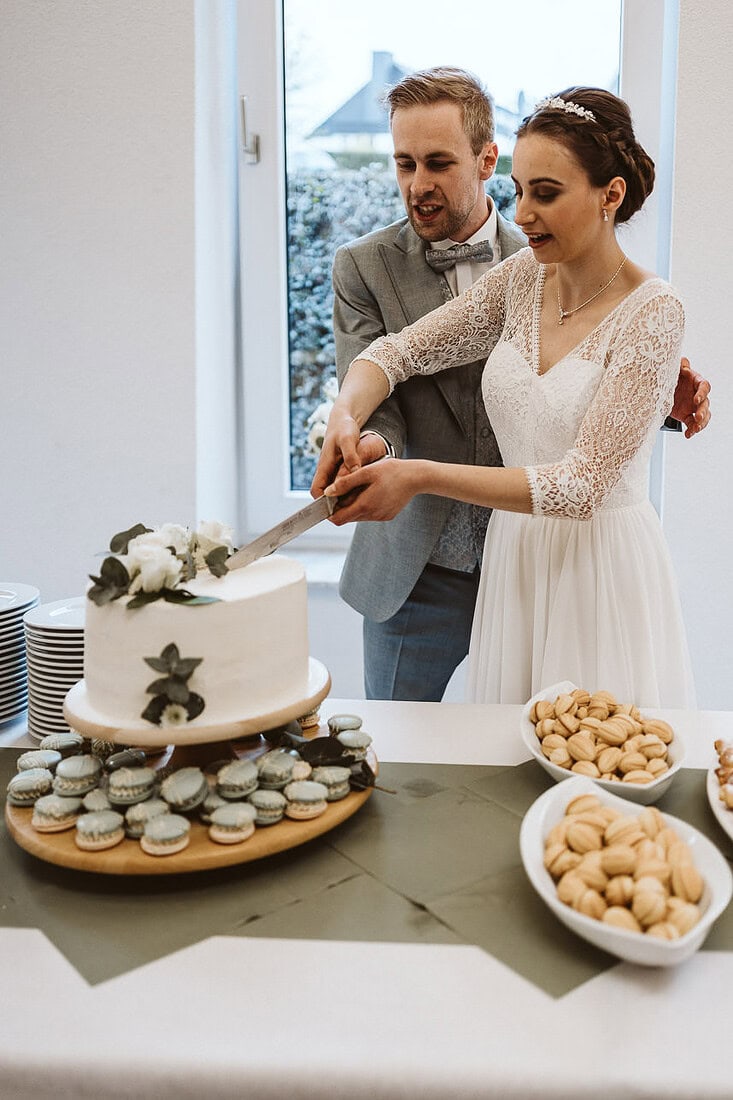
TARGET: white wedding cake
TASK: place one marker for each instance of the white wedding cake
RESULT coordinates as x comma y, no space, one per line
170,645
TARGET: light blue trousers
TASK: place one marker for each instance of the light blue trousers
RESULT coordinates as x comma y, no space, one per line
413,655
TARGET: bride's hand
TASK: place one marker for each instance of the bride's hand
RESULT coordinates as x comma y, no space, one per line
376,492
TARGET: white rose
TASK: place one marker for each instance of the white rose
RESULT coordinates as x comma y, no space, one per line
321,413
154,568
211,534
331,389
315,437
220,534
176,536
149,538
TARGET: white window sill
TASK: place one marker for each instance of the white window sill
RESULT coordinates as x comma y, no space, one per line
322,566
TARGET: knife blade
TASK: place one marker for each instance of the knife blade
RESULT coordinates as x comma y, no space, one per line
283,532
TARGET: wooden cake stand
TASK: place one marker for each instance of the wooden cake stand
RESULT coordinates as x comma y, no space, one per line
202,854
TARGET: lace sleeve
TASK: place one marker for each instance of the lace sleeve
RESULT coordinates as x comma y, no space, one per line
462,331
632,400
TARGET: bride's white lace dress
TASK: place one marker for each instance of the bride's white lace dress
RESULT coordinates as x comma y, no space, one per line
582,589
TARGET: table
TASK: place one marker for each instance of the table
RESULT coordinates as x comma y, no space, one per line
269,1017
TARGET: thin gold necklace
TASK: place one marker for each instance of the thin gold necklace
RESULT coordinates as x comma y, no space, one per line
563,313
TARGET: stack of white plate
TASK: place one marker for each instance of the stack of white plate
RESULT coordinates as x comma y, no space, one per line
15,600
54,638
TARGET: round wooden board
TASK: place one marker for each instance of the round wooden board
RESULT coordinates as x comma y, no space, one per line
202,854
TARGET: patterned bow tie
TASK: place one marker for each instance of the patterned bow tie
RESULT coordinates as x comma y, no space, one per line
440,259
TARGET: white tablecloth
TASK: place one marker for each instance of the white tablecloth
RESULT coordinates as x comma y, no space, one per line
237,1017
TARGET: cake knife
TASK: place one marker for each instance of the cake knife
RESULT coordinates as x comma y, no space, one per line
283,532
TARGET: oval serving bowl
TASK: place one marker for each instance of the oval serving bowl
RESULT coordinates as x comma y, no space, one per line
643,794
634,947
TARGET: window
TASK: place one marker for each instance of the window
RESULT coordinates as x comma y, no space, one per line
308,70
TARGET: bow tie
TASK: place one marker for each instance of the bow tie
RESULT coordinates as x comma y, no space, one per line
440,259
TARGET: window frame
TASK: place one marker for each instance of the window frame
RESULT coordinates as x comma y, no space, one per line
647,82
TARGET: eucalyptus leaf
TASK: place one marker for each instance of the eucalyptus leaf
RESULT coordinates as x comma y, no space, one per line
157,663
177,691
154,710
188,571
216,560
142,599
181,595
112,571
119,542
161,686
102,594
194,706
170,655
186,666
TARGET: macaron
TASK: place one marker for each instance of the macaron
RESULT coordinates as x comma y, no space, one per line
28,786
310,720
336,781
275,769
184,789
38,758
301,770
75,775
52,813
139,813
337,723
270,806
236,780
99,829
212,802
305,799
68,744
126,786
165,835
233,823
357,741
95,800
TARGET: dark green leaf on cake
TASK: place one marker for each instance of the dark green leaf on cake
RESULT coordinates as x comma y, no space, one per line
171,690
113,581
119,542
157,663
188,566
171,686
217,561
142,599
183,596
194,706
186,665
154,710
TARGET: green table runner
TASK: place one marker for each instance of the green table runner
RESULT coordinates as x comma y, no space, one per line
435,862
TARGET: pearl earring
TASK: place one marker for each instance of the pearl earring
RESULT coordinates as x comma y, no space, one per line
605,214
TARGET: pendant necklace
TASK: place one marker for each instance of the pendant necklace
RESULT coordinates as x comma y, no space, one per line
563,313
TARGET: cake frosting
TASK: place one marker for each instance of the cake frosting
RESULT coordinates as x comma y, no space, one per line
249,648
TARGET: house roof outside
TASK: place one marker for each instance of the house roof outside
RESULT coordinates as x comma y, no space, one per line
364,114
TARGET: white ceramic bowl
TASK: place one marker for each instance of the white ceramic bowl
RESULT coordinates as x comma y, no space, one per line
644,794
723,815
635,947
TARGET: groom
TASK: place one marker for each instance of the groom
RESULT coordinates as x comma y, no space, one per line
415,578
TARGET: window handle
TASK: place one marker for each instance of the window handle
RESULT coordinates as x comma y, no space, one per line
250,143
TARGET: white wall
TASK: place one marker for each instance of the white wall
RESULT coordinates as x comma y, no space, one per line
98,307
106,339
698,513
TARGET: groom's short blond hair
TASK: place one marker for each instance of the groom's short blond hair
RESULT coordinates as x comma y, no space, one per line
448,85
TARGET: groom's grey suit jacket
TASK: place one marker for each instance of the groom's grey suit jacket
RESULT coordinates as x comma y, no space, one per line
382,283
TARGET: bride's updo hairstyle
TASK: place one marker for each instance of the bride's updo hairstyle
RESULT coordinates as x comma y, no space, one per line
596,127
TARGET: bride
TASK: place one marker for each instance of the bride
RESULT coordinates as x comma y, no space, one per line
576,581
